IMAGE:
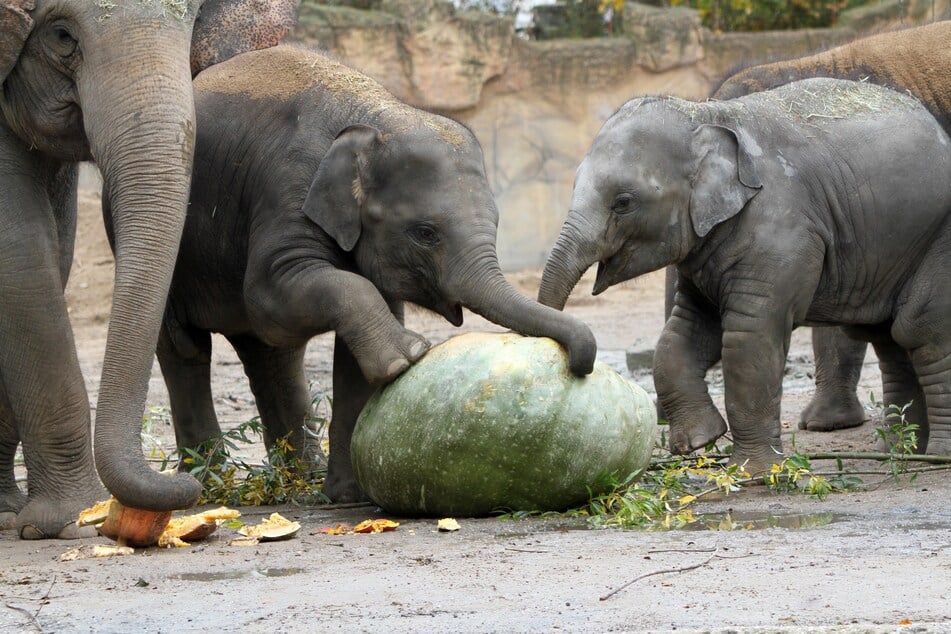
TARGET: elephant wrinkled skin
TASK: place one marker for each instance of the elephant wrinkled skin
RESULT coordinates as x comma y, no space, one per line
109,82
823,202
321,203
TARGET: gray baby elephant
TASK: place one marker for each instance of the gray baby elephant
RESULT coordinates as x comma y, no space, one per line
321,203
823,202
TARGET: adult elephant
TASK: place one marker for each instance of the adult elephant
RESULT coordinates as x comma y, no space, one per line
917,60
109,82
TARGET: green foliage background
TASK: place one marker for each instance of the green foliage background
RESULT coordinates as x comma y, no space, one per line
764,15
583,18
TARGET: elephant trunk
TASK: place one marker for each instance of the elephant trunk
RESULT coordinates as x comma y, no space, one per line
565,266
486,292
141,128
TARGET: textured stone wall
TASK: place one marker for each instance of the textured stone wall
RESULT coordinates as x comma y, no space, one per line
536,106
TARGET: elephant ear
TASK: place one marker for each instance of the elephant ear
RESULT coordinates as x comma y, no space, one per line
15,25
337,194
726,178
225,28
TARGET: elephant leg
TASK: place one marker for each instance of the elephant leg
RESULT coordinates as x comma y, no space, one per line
351,392
922,326
670,292
932,363
283,397
39,368
754,357
900,387
688,347
838,368
12,499
185,359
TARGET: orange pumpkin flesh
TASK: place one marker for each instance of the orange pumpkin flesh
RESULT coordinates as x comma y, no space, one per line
193,528
140,528
134,527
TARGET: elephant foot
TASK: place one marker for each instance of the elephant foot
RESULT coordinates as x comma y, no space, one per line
832,410
686,438
312,460
12,501
936,446
394,360
11,504
757,463
8,520
344,491
56,519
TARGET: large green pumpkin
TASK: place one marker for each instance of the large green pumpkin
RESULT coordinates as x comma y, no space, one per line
490,422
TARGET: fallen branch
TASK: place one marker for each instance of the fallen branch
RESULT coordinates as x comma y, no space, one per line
881,457
659,572
827,474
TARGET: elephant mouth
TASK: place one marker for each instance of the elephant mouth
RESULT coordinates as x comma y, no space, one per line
602,281
456,318
452,313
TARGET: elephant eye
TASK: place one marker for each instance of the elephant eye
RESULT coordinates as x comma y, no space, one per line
424,235
624,204
62,40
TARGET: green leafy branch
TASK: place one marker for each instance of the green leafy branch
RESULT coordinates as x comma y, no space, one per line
284,476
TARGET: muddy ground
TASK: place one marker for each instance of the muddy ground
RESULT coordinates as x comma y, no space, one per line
872,560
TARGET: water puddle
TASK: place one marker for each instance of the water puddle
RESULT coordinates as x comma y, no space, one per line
224,575
747,521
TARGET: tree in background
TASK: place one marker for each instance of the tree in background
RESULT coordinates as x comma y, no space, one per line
763,15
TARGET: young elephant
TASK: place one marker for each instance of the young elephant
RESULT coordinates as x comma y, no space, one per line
914,59
821,202
320,203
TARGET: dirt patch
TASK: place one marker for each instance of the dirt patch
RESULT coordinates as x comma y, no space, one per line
856,562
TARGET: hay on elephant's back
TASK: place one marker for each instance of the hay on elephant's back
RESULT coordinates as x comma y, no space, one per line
809,101
259,75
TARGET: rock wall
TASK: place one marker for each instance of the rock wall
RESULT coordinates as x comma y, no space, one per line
536,106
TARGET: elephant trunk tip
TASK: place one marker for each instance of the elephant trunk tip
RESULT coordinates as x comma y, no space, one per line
582,351
150,490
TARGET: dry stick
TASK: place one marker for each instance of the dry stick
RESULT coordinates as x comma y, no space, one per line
658,572
28,614
32,615
45,598
682,550
525,550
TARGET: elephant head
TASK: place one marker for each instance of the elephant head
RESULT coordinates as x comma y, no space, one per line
657,179
415,209
110,81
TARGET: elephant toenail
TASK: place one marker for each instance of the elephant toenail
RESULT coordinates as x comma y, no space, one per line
31,532
396,367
